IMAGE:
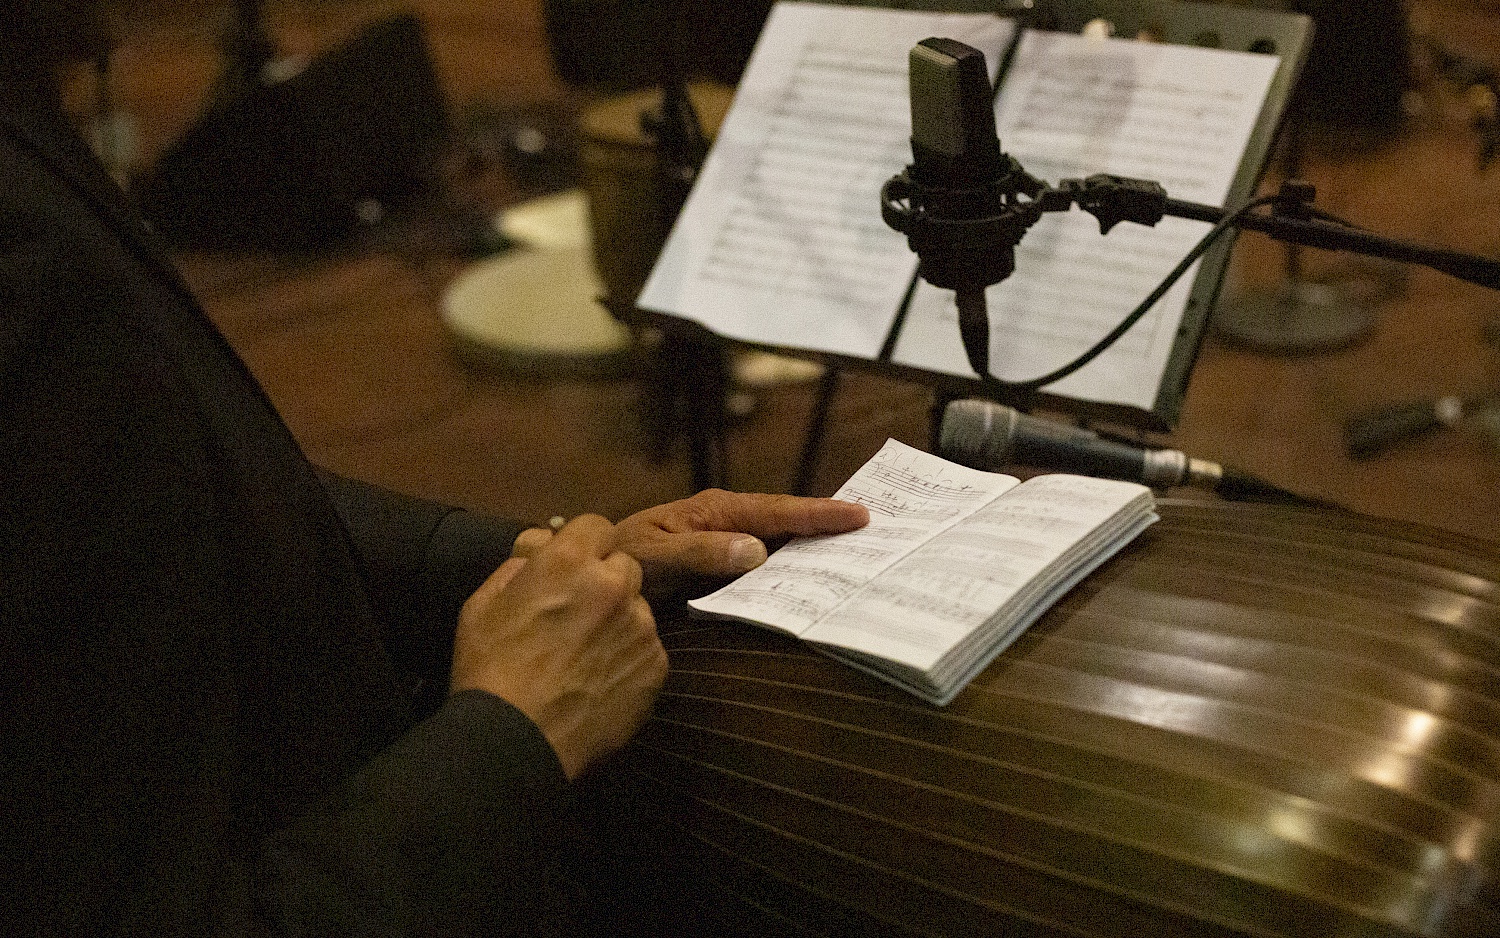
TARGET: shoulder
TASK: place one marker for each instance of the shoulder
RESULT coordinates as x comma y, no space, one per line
70,248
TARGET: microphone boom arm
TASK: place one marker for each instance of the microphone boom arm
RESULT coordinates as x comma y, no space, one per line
965,238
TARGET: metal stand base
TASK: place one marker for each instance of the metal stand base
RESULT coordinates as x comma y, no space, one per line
1298,316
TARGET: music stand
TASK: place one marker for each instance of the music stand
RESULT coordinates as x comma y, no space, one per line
1238,28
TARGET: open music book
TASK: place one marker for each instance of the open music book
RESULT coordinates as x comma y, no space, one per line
781,241
954,565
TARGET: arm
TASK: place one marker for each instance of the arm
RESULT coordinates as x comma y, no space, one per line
201,731
423,560
452,830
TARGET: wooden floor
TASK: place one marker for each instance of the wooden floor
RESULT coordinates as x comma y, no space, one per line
351,346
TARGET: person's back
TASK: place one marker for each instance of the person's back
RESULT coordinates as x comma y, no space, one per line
193,658
242,696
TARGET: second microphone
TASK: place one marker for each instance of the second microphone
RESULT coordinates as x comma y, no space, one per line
990,436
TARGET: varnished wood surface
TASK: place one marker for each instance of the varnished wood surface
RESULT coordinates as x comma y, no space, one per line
1254,721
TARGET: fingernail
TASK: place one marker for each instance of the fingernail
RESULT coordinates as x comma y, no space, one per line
746,553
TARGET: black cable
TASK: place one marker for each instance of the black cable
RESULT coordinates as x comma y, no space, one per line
978,350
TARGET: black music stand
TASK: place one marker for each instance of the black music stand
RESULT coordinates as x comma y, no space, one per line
1232,27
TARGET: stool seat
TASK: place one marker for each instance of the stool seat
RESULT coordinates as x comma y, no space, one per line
536,311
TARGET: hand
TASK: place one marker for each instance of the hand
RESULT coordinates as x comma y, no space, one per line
563,634
716,534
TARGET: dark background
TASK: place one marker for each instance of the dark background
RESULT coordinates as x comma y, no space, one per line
350,344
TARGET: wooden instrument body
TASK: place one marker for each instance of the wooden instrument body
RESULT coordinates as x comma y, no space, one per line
1254,721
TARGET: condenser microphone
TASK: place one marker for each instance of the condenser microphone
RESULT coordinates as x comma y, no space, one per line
957,203
953,139
990,436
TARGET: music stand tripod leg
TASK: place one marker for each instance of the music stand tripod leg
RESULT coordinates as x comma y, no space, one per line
817,425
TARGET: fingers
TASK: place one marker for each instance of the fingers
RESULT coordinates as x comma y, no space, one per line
506,572
561,632
587,538
529,541
765,516
499,580
590,535
717,533
709,553
620,576
560,557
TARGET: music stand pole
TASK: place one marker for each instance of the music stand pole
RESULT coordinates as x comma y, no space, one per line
692,370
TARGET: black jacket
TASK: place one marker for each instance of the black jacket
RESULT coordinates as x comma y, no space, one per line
215,662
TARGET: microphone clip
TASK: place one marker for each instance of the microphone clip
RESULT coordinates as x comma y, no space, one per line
964,236
1112,199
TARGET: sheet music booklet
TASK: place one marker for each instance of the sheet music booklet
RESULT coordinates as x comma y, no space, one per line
781,241
954,565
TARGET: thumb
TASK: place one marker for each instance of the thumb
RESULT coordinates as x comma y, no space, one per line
504,573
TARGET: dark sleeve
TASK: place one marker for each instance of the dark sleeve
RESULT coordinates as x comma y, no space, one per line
423,560
453,830
190,744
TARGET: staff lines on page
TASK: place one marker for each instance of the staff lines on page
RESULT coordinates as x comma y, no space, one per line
1135,254
916,599
976,544
1057,155
940,577
843,551
1080,93
770,596
827,94
1139,151
838,288
746,208
893,505
784,282
872,531
1081,118
1034,520
1025,316
845,60
833,149
936,488
836,114
756,232
1057,330
817,174
1075,75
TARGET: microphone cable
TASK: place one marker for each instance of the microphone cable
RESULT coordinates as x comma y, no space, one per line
973,316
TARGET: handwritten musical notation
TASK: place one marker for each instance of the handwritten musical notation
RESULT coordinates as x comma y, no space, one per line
972,571
786,596
898,486
911,495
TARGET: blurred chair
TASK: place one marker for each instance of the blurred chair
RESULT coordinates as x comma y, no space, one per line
296,163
